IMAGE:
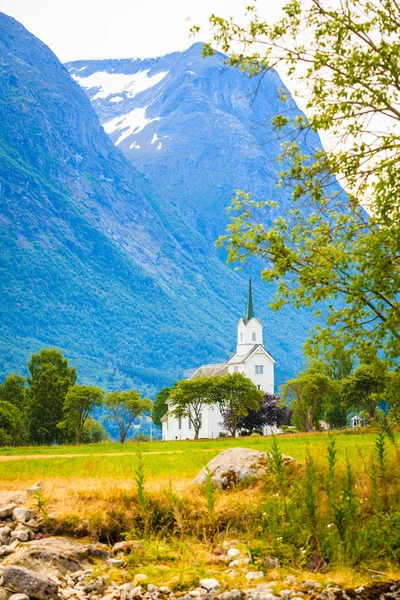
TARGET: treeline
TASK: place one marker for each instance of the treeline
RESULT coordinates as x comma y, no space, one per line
49,407
325,394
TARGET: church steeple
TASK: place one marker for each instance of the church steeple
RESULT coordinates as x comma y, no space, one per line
250,310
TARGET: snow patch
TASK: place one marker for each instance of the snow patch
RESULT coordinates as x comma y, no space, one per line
155,138
81,69
159,146
134,145
116,99
116,83
132,122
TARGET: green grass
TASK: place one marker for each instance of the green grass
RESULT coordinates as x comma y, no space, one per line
166,459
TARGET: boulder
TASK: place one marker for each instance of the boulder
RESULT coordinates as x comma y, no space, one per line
56,556
29,583
237,464
35,488
5,594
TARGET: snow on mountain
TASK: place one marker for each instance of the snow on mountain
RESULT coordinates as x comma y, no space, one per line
109,84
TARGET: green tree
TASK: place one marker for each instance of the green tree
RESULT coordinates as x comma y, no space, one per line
124,408
392,385
13,390
327,248
308,396
236,395
50,378
94,432
188,398
12,424
365,388
79,402
160,406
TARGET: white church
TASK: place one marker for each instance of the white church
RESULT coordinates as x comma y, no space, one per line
250,358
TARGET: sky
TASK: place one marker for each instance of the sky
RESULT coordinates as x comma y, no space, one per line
87,29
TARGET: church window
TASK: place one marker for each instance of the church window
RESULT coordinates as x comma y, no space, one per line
259,387
253,337
179,423
236,369
200,421
259,369
189,424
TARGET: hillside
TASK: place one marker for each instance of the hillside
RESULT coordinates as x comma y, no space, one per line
93,258
197,129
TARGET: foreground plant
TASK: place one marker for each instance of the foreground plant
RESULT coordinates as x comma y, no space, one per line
327,248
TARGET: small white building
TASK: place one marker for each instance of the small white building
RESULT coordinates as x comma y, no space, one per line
356,421
250,358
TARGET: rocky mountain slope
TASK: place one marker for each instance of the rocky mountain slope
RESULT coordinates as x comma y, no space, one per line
197,129
93,258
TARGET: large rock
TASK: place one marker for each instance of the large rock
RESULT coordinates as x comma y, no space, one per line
26,582
56,556
237,464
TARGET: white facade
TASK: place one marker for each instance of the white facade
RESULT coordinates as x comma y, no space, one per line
250,358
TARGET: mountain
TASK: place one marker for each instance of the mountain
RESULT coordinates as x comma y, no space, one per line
197,129
97,260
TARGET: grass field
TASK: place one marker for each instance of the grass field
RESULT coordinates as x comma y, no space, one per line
93,491
163,460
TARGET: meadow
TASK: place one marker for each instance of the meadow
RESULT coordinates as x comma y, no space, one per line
338,503
165,460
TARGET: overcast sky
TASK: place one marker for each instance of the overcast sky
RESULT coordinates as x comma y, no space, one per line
83,29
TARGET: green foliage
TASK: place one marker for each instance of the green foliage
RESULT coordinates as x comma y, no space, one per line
49,381
235,394
365,387
124,408
142,500
93,432
328,251
160,406
79,402
308,396
188,397
13,390
12,425
210,494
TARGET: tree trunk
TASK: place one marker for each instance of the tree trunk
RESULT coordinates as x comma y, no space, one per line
196,433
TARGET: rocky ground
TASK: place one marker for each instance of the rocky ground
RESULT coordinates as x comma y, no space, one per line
34,565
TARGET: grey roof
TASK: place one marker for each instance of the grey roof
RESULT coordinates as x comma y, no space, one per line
210,370
238,359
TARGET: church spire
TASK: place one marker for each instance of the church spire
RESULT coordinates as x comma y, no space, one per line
250,310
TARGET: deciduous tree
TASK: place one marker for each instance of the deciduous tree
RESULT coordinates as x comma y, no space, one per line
79,403
308,396
236,395
50,378
365,388
188,398
344,57
160,406
124,408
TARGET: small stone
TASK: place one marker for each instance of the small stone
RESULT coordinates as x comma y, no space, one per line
164,590
271,563
253,575
286,594
232,552
7,510
5,594
231,595
290,580
308,584
210,584
19,597
116,562
21,535
22,514
96,585
152,589
35,488
234,563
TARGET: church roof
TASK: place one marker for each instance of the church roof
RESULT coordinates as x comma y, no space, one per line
240,358
210,370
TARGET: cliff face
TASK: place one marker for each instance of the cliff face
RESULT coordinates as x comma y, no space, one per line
94,259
